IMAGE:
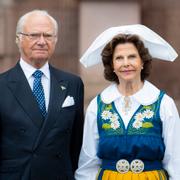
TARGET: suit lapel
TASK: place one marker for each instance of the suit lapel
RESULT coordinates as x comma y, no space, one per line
58,91
19,86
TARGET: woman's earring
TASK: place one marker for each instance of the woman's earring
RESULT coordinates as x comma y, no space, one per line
142,67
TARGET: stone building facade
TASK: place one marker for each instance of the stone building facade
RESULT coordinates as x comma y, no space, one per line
161,16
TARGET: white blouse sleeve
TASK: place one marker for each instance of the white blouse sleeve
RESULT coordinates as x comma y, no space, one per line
89,163
171,134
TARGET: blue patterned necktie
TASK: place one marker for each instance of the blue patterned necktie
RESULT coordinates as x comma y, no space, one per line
39,92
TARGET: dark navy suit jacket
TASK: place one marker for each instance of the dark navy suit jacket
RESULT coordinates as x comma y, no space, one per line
32,148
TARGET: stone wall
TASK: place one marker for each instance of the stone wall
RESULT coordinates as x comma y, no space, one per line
161,16
164,18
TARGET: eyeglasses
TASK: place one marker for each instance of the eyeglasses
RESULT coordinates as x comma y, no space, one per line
37,36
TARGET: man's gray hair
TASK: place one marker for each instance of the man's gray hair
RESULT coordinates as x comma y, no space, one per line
22,19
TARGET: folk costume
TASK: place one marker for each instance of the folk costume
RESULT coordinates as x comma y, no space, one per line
147,132
130,137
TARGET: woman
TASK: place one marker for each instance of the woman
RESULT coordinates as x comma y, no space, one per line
131,128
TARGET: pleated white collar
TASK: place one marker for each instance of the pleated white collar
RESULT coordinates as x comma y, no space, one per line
147,95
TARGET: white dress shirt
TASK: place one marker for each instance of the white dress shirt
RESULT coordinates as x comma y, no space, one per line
29,70
89,163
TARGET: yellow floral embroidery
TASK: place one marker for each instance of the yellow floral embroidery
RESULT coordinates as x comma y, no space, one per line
106,126
147,125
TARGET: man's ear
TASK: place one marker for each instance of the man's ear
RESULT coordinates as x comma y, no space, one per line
17,39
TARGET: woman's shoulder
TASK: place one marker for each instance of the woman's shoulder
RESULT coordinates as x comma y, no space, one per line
148,94
107,96
110,94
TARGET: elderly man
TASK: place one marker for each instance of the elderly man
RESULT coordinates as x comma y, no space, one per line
41,108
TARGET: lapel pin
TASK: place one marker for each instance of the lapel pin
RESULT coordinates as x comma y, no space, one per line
63,87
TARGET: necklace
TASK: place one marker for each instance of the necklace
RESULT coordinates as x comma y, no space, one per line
126,104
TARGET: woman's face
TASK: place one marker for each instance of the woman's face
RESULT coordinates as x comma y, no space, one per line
127,63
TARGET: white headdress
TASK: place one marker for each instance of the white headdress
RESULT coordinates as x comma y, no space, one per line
157,46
